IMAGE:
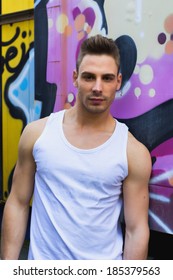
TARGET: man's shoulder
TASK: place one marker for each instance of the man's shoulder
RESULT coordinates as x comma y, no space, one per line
138,152
37,124
135,144
32,132
40,123
35,128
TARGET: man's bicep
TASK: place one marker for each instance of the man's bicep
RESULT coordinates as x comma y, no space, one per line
135,187
23,177
136,202
23,182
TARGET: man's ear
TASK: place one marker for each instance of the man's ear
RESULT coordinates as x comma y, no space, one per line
75,76
119,81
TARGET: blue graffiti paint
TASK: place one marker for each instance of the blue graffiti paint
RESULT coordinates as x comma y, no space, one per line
22,94
24,84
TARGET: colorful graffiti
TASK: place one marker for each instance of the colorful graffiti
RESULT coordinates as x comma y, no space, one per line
144,103
17,78
16,94
148,90
45,92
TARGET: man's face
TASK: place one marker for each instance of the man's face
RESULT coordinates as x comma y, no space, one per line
97,81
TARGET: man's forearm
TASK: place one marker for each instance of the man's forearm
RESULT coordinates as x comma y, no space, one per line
13,232
136,246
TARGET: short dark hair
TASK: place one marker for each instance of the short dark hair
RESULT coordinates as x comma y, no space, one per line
97,45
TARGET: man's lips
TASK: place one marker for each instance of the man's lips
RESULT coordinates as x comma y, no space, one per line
96,100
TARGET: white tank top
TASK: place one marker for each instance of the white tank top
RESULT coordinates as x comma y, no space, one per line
77,196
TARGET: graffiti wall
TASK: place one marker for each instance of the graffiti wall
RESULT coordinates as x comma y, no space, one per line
17,83
145,102
49,46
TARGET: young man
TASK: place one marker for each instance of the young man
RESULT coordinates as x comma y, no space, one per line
81,165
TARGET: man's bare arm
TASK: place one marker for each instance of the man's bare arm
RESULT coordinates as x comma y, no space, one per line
136,201
16,211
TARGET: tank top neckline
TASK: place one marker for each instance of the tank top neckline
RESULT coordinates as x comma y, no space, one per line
86,151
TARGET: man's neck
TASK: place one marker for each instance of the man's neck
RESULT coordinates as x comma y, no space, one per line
83,118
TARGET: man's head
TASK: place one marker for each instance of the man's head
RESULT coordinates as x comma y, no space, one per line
98,45
97,76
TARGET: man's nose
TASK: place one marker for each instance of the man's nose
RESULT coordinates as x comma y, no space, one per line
97,87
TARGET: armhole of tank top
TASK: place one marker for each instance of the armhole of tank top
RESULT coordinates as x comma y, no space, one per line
124,132
126,143
42,133
51,117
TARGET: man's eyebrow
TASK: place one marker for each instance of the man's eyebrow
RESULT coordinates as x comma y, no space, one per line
105,74
110,75
87,73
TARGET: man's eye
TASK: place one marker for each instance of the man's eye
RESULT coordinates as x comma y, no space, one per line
88,78
108,78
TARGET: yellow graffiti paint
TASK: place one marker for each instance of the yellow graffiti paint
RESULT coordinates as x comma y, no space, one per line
12,127
61,23
11,6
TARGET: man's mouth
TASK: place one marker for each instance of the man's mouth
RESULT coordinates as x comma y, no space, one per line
96,100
